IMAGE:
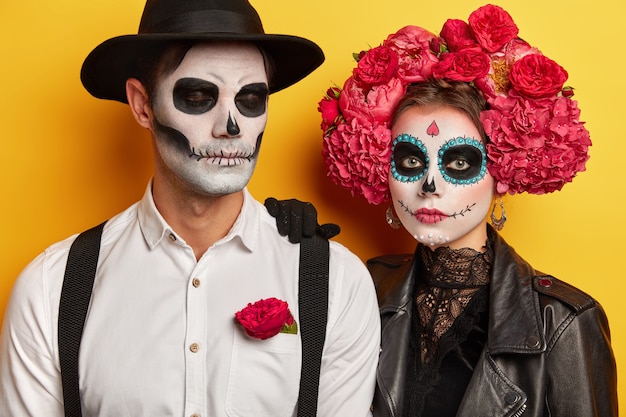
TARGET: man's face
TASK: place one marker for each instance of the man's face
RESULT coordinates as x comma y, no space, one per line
439,183
209,117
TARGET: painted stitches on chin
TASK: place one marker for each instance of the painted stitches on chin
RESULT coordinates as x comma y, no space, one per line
432,216
223,158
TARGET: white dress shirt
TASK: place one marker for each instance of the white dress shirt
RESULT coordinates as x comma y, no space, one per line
161,339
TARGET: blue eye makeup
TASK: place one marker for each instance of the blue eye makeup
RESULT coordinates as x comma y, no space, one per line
409,158
462,161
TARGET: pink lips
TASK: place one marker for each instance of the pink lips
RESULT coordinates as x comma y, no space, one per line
429,216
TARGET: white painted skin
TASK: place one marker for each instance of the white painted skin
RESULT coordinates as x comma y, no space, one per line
463,208
220,162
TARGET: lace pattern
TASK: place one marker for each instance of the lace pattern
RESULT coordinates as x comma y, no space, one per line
449,280
451,291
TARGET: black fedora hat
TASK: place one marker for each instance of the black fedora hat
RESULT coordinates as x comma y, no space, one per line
110,64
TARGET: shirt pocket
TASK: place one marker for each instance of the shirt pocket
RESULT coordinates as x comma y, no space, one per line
264,376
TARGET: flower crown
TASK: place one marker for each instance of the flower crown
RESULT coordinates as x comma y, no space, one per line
536,141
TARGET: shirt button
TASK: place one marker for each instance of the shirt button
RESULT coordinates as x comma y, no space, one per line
194,347
196,282
195,415
172,237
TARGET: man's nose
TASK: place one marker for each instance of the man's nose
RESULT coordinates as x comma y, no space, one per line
226,125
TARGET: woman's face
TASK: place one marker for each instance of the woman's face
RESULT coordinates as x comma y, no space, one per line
439,183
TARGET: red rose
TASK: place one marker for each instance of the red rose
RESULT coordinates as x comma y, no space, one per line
377,66
537,76
457,35
265,318
493,27
465,65
497,81
329,108
415,56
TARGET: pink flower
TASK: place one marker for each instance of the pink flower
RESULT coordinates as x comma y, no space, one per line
537,76
457,35
416,58
375,104
377,66
493,27
357,157
464,65
266,318
535,146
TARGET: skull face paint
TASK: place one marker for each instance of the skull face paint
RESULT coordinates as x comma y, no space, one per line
439,183
209,117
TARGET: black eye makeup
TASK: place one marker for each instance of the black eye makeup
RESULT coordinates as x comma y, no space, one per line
409,159
251,100
462,161
195,96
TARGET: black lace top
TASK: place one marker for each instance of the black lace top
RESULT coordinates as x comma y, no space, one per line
451,296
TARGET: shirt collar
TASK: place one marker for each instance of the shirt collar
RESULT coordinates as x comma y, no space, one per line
155,228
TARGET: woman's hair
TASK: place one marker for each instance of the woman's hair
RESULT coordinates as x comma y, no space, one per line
436,92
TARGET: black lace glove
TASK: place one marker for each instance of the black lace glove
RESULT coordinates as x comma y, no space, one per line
297,219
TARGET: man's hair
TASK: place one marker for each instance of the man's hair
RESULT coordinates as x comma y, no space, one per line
436,92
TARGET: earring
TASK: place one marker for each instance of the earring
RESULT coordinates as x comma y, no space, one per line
392,220
498,224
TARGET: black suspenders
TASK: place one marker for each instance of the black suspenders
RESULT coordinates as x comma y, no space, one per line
76,293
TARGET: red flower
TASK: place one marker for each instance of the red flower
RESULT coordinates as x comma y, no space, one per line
370,104
357,157
497,81
537,76
416,58
493,27
457,35
535,146
329,108
377,66
465,65
266,318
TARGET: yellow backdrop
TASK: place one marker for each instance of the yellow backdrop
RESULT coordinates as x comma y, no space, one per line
69,161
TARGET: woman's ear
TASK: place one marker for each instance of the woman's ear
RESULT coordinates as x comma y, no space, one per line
139,102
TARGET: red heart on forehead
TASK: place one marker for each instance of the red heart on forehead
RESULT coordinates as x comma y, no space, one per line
433,129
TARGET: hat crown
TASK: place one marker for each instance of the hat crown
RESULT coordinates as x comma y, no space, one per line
200,16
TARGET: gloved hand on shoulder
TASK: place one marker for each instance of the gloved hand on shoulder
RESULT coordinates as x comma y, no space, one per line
297,219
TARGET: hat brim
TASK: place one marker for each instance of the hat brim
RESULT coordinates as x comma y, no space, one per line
110,64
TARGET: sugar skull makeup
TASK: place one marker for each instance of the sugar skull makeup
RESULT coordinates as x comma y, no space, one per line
210,114
439,183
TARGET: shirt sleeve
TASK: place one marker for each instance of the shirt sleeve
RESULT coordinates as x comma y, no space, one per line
30,379
350,355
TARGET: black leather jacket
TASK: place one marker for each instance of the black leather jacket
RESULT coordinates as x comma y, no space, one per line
547,353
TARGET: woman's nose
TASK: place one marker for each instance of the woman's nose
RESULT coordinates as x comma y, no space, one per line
428,186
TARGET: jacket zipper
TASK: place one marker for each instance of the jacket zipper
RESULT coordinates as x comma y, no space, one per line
520,411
